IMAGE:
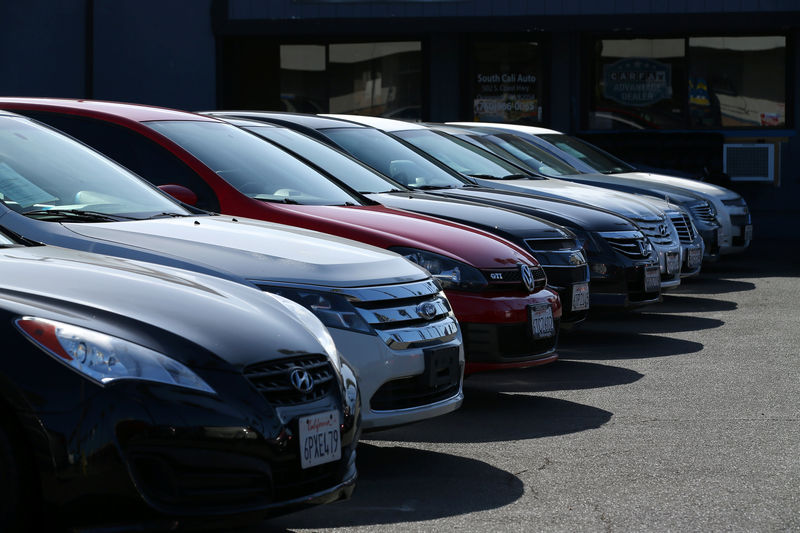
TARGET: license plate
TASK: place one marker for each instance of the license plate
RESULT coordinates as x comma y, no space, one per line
320,439
652,279
748,232
542,325
673,262
580,297
693,258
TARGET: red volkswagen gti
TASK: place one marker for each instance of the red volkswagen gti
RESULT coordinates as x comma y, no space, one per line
497,290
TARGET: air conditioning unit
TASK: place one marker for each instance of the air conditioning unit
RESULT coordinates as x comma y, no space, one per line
750,162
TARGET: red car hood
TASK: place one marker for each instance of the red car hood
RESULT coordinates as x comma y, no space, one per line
385,227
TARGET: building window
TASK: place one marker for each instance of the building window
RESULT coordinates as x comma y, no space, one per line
506,81
694,82
377,78
737,82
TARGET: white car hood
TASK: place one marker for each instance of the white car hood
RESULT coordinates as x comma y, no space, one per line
691,185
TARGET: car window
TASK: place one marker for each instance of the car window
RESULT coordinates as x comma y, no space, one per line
391,158
134,151
594,157
41,169
341,166
544,162
252,165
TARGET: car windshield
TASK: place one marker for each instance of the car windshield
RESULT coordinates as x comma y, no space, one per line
253,166
342,167
44,171
461,155
5,241
599,160
533,156
392,158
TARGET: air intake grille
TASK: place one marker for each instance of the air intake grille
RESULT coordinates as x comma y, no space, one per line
749,162
272,379
704,212
684,227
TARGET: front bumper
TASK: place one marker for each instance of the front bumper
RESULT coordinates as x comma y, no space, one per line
393,387
737,228
497,329
668,257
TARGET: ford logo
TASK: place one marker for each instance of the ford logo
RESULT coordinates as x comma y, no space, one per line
301,380
527,276
427,310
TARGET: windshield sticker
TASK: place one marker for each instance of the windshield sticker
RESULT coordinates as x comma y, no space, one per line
19,190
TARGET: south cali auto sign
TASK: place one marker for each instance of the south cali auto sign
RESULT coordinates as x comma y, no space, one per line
637,81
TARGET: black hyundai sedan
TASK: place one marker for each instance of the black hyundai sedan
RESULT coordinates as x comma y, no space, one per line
138,394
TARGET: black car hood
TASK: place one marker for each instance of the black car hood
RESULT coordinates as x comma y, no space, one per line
149,304
569,214
260,251
506,223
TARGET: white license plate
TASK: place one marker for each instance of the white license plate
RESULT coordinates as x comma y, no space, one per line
673,262
580,297
748,232
320,439
652,279
694,257
542,324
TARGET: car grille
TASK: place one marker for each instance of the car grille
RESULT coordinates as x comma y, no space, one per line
684,227
735,201
630,244
505,342
704,212
272,379
653,230
511,278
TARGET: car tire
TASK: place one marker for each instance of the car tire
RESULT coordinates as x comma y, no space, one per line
16,483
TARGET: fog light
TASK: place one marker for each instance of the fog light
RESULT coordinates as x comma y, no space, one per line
599,268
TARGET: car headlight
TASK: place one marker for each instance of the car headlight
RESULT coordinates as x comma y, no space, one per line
104,358
314,326
333,310
450,273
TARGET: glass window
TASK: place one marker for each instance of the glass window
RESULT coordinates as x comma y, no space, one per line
253,166
639,84
599,160
134,151
506,84
392,158
537,158
376,78
343,167
737,81
42,170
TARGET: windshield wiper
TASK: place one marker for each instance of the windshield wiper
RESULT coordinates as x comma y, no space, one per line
77,214
166,214
281,201
380,192
432,187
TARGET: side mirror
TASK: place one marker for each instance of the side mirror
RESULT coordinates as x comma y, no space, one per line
180,193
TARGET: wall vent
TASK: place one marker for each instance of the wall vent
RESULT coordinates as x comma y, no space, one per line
749,162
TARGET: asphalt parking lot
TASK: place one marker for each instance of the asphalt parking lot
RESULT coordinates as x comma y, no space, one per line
683,416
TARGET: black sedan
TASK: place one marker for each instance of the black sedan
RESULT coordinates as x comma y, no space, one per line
137,393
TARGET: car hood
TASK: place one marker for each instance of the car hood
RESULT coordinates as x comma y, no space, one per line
569,214
496,220
149,304
623,204
385,227
692,186
637,185
260,251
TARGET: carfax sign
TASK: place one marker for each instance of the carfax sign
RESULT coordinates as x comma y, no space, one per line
637,81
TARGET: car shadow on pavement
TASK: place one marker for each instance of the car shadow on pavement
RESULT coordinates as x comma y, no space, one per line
708,284
401,484
492,416
680,303
610,344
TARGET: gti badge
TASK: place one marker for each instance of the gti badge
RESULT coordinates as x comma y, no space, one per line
426,310
301,380
527,276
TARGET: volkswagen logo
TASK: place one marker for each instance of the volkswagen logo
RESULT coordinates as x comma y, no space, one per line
426,310
301,380
527,276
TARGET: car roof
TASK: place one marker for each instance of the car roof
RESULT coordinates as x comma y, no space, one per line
313,122
534,130
135,112
383,124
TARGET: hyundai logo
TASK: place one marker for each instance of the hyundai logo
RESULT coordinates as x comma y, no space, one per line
427,310
527,276
663,230
301,380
